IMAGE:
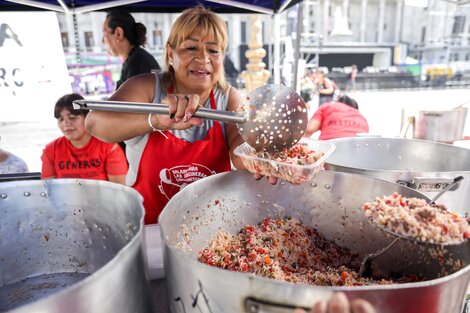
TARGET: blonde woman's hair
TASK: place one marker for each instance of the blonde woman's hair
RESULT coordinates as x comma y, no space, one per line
209,23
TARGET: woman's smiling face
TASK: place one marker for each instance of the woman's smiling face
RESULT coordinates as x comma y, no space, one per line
198,62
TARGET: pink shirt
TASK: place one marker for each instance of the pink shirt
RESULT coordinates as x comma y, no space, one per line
340,120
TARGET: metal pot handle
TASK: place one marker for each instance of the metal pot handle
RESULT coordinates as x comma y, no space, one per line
429,184
20,176
256,306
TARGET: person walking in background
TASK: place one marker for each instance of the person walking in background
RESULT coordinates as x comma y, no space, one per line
125,38
337,119
78,154
351,82
323,87
11,164
307,86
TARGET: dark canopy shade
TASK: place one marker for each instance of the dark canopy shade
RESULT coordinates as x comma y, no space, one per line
169,6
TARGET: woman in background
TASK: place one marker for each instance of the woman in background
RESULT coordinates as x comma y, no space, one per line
337,119
125,38
78,154
324,87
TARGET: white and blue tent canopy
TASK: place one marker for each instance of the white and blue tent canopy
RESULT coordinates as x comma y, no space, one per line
169,6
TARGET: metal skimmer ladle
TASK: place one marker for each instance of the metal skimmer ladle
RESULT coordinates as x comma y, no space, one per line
274,118
460,250
277,118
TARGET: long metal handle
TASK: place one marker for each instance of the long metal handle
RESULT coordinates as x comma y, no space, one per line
20,176
139,107
448,187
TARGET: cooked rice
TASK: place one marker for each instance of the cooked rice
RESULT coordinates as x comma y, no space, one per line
286,250
416,218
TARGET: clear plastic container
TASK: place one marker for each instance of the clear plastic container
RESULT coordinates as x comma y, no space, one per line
293,173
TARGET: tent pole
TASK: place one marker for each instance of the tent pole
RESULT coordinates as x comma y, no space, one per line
297,44
277,50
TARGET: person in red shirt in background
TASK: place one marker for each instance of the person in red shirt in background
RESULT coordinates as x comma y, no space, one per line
337,119
78,154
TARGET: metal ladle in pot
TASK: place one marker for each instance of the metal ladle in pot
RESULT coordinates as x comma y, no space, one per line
460,250
274,118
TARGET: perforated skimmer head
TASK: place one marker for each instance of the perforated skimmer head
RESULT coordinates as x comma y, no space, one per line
276,118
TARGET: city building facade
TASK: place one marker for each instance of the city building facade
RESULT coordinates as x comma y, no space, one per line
373,34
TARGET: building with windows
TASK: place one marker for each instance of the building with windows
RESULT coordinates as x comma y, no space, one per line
373,34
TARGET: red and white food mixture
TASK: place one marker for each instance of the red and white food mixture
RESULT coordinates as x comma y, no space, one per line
414,217
288,164
286,250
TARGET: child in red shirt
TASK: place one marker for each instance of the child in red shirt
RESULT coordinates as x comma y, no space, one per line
337,119
78,154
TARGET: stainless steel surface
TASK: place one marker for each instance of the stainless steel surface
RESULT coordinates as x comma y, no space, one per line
159,296
364,270
157,108
78,242
440,125
426,166
331,203
277,118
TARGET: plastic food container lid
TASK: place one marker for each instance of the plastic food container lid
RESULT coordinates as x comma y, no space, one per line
293,173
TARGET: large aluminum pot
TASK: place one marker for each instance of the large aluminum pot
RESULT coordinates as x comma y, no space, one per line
330,203
424,165
444,126
71,245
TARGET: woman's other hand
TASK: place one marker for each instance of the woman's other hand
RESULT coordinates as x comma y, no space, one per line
339,303
272,180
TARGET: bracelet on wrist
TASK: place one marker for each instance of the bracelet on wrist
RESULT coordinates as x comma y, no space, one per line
149,119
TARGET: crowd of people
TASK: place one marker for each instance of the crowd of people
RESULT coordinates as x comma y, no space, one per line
164,153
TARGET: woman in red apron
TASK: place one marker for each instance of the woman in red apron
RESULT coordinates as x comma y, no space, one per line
166,153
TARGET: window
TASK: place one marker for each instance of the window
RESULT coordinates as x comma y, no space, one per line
423,34
89,41
65,40
459,24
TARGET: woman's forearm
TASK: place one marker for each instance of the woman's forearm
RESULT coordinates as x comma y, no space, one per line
116,127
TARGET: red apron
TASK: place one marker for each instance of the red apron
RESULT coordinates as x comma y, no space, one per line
169,164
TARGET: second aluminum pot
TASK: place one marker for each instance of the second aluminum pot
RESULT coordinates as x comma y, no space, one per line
71,245
438,125
330,203
426,166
